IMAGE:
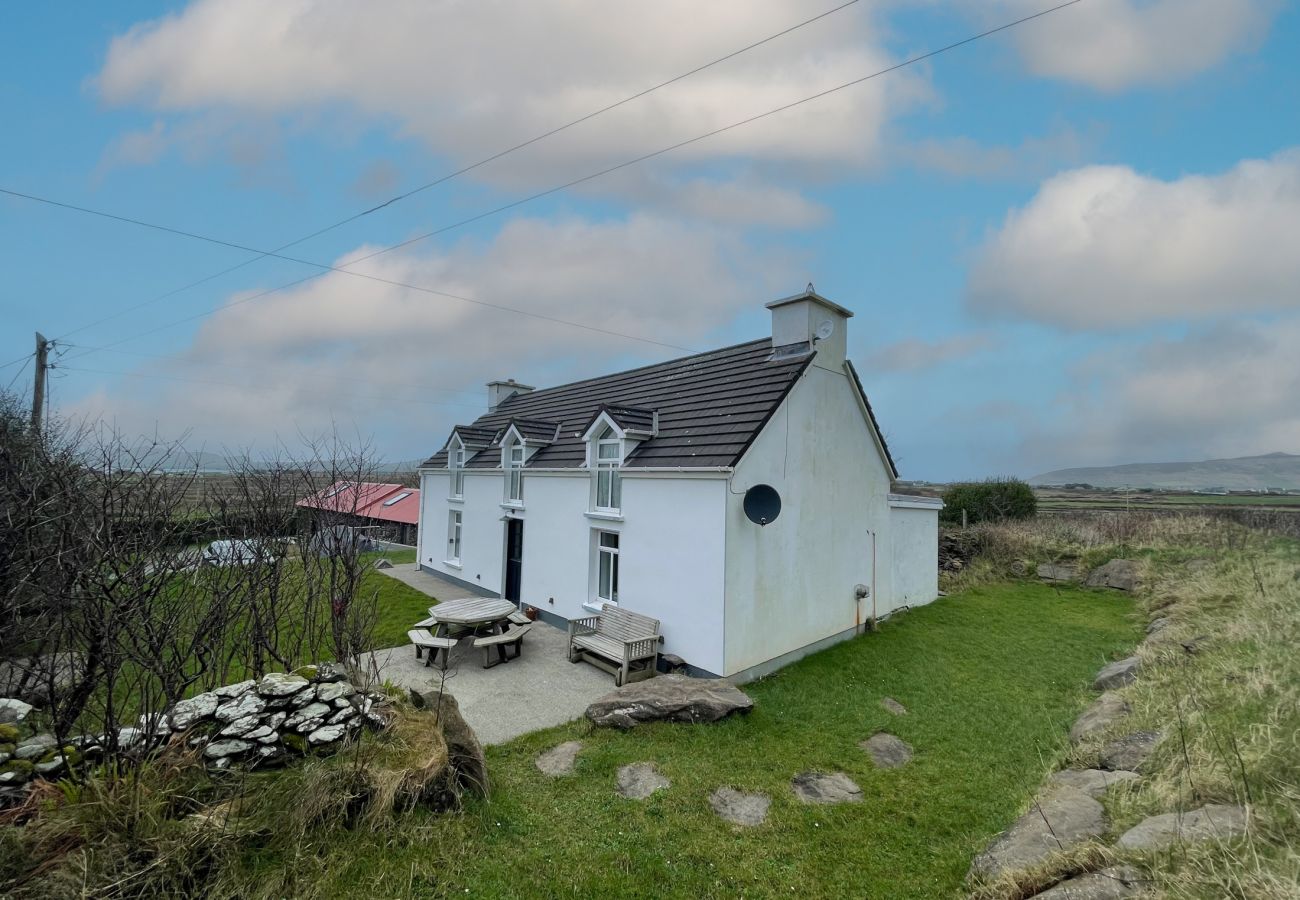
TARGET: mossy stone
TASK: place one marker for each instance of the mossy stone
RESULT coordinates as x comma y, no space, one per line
308,672
23,766
8,748
9,734
295,742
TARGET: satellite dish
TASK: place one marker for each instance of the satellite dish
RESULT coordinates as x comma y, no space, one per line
762,504
825,328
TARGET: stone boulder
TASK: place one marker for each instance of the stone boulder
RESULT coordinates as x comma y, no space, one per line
247,704
465,756
1059,820
1093,782
669,698
1058,574
1159,623
1108,709
893,706
887,751
13,711
1213,822
280,684
1130,752
1115,883
1120,574
816,787
187,713
30,679
639,780
747,810
1117,674
231,691
559,760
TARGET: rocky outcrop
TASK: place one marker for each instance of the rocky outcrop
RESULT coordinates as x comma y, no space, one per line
669,698
639,780
559,760
1114,883
893,706
1108,709
1119,574
1213,822
1130,752
13,711
1058,573
746,810
1093,782
816,787
1062,818
1117,674
887,751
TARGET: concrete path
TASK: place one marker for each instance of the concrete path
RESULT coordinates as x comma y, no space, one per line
428,583
538,690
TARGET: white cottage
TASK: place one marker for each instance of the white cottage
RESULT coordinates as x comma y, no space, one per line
630,489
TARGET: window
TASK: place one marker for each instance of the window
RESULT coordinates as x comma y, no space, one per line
607,566
398,499
457,463
453,536
609,481
514,463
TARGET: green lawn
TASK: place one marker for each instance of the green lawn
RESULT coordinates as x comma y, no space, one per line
993,677
400,606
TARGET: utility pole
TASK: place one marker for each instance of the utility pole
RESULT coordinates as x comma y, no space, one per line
38,389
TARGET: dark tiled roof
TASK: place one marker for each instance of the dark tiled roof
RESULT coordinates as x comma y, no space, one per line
710,406
630,418
535,430
475,437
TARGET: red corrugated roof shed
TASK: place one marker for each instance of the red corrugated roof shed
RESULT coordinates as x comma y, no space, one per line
387,502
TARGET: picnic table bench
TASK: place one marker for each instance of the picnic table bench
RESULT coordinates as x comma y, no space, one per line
619,641
427,640
506,639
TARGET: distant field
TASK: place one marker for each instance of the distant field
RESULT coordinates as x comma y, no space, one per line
1049,500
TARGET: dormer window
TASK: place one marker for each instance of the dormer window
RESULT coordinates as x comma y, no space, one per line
456,463
609,480
512,459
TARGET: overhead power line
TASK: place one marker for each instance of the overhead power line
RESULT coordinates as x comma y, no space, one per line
263,254
325,268
262,387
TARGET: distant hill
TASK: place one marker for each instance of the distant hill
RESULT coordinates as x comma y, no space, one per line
204,462
1279,471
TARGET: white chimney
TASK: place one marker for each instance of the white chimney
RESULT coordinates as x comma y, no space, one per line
501,391
807,322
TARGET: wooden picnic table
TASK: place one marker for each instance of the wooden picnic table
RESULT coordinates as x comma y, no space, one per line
472,612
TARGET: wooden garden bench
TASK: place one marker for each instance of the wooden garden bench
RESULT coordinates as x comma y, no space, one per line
425,640
618,641
520,619
512,638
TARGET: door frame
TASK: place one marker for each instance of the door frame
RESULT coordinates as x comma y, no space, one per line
514,525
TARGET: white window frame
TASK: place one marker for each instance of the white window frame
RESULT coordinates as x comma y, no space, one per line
607,498
607,593
456,465
455,528
514,471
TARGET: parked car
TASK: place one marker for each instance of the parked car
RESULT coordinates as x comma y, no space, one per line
239,552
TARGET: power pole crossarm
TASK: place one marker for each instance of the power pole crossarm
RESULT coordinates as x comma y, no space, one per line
38,389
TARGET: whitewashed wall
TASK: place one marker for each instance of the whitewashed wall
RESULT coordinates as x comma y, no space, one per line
914,556
791,583
671,555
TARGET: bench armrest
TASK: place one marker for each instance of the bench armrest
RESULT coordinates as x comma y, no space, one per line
642,648
583,626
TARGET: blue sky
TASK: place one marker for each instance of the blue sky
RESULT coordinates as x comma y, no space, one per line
1071,243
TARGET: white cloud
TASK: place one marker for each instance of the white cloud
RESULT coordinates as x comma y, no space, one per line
471,78
315,349
1115,44
913,354
1225,392
1105,247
